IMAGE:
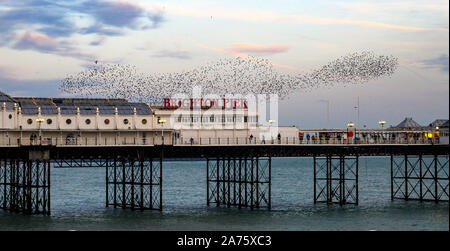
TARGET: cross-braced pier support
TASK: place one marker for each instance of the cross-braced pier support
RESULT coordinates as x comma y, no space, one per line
420,177
336,179
79,162
241,182
25,186
134,183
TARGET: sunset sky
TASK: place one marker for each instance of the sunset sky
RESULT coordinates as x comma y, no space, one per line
41,42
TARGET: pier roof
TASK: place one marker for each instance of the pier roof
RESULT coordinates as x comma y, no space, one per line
438,122
86,106
445,124
6,98
408,123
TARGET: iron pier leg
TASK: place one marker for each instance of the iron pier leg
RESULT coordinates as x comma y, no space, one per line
406,177
115,183
228,183
420,178
436,180
257,182
270,184
240,182
392,177
207,181
107,184
161,181
315,179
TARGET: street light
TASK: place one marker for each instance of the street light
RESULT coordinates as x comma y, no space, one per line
40,120
382,123
271,121
162,121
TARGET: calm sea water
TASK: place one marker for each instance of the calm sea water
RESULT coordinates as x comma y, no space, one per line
78,197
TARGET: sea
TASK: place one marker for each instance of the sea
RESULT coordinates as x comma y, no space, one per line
78,203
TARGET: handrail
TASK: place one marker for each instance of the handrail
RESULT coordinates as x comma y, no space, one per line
183,141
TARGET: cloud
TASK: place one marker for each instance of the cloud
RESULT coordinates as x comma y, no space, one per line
100,40
440,62
172,54
45,44
35,41
58,18
48,18
122,14
101,29
259,49
47,22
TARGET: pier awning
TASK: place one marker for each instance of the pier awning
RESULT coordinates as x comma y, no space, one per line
408,123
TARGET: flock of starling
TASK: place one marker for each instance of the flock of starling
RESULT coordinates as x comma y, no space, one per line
227,76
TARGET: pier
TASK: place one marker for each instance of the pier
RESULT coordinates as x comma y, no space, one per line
238,173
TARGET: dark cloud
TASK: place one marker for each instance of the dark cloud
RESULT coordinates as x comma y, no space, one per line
100,29
50,18
55,19
114,13
172,54
440,62
98,41
45,44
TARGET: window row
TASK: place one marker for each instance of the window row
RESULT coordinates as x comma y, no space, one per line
218,119
87,121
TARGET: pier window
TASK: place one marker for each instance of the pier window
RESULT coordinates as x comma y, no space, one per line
106,121
253,119
144,121
186,119
125,121
10,116
220,119
49,121
88,121
68,121
29,121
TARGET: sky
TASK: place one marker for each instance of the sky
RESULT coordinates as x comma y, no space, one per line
42,42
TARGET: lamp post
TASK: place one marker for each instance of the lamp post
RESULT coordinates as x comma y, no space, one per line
349,125
271,121
40,120
162,121
437,134
382,123
357,111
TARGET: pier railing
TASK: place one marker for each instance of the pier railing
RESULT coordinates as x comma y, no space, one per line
183,141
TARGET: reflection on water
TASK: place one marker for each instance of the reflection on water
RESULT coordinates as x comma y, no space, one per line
78,203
